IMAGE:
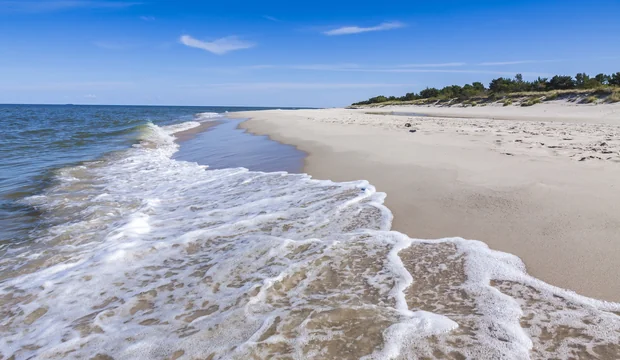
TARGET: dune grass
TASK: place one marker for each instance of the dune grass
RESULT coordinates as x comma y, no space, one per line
529,98
614,97
532,101
590,100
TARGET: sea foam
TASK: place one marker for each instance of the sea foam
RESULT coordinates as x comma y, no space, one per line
149,257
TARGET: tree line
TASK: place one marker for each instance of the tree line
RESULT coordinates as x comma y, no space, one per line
503,85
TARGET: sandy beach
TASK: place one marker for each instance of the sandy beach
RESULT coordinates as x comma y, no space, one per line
540,182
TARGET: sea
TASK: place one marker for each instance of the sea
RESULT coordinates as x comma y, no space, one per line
164,232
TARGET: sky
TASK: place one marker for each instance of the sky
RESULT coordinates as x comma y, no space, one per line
289,53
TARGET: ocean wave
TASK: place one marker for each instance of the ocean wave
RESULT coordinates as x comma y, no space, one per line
156,258
207,116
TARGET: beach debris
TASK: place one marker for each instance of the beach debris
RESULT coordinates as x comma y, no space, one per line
407,125
412,131
590,157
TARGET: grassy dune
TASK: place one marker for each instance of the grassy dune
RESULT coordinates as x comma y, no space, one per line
529,98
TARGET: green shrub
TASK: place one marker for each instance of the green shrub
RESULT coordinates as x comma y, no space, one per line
552,96
614,97
590,99
602,91
531,102
507,102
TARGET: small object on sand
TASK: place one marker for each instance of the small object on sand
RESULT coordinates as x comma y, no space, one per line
407,125
412,131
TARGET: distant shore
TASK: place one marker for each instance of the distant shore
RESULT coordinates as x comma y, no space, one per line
540,182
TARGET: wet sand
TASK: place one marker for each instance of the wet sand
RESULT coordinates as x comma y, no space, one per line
186,135
543,187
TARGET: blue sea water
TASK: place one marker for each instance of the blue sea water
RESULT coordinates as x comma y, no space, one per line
38,140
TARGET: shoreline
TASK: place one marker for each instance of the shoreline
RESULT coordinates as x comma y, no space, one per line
440,184
189,134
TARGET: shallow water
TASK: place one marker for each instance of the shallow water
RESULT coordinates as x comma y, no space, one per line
227,146
147,256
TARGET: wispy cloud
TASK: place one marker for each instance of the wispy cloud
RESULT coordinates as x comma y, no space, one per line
147,18
324,67
519,62
399,68
452,64
348,30
90,96
219,46
84,86
292,86
271,18
59,5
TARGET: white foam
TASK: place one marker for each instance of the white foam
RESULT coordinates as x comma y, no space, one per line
150,256
207,116
171,129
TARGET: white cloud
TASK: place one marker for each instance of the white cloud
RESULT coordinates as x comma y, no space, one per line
348,30
147,18
219,46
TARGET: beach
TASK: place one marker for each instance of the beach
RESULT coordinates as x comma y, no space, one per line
181,236
540,182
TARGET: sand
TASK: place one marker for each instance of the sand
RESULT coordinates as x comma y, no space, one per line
193,132
544,186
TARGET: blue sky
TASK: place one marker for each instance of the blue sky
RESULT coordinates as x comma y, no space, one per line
287,53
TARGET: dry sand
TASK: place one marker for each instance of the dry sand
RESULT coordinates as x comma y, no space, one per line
545,186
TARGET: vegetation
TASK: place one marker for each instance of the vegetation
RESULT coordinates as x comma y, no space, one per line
601,84
553,96
531,102
590,99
